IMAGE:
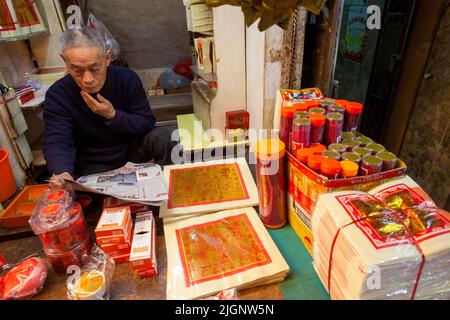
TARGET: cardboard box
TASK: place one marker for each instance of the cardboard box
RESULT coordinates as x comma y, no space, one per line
117,249
145,273
305,186
111,202
143,248
113,222
124,238
239,119
121,259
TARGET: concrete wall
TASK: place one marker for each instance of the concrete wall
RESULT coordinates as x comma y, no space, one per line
426,148
153,33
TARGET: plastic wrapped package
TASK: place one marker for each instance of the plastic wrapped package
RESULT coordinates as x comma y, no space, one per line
73,257
24,279
59,222
93,280
229,294
393,243
66,227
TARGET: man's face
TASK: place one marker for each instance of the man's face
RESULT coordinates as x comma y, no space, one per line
87,66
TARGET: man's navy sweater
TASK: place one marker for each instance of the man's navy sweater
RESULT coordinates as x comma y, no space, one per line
74,134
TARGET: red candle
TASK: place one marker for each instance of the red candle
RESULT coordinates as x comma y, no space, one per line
353,111
333,131
317,127
287,115
301,132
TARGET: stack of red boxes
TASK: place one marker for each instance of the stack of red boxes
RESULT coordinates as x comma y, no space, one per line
114,231
143,251
112,202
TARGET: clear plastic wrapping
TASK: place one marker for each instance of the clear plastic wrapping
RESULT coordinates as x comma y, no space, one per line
390,243
229,294
92,281
24,279
59,222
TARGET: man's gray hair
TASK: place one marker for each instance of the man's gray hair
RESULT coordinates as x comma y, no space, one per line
82,37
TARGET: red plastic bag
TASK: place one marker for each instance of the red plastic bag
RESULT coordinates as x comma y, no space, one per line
24,280
183,69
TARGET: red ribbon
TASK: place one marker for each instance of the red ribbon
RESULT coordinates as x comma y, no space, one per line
410,237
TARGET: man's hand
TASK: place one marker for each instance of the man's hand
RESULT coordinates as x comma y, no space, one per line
103,108
57,181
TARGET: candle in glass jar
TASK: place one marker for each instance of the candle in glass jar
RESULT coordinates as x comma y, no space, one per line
389,160
351,156
301,132
347,136
330,168
312,104
318,149
353,111
364,141
330,154
349,169
375,148
317,110
350,145
317,127
271,181
300,114
287,115
315,162
333,128
370,165
340,148
326,103
362,151
336,109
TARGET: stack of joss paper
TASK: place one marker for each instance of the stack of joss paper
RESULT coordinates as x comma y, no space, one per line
207,254
390,243
211,186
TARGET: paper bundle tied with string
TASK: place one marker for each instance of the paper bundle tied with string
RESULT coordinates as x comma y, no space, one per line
393,243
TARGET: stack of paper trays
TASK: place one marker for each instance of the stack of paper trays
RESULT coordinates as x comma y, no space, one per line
207,187
210,253
390,243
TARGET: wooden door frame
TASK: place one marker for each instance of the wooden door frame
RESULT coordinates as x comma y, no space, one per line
428,16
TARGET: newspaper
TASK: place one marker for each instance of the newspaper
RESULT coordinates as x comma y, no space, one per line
134,182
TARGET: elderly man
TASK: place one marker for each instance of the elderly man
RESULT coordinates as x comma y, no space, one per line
98,117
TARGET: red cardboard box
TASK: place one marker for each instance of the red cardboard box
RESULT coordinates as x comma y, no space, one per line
145,273
143,248
121,259
118,239
111,202
113,222
120,248
239,119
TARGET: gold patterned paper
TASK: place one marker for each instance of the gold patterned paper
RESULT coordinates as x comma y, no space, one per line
219,249
206,185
